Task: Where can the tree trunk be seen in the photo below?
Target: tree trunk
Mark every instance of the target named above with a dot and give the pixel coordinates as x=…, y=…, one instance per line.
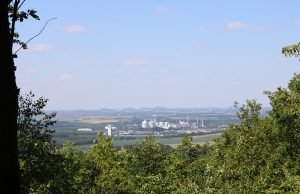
x=9, y=168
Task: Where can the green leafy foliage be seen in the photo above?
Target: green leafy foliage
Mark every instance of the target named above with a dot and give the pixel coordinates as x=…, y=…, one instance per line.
x=33, y=122
x=145, y=166
x=259, y=154
x=43, y=168
x=292, y=50
x=146, y=158
x=106, y=168
x=17, y=15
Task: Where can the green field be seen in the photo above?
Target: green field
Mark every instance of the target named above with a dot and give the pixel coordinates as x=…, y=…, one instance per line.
x=173, y=141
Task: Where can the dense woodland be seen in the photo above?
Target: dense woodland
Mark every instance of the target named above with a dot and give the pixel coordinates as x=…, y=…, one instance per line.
x=259, y=155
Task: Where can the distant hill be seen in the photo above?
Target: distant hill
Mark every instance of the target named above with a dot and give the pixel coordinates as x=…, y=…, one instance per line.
x=154, y=110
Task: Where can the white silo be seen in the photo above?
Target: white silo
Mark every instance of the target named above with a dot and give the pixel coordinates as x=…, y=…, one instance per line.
x=145, y=124
x=152, y=124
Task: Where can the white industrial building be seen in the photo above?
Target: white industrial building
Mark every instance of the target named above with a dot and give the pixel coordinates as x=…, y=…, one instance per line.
x=183, y=123
x=167, y=125
x=164, y=125
x=85, y=129
x=152, y=124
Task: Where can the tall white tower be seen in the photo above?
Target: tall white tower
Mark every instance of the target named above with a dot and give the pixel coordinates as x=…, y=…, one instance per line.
x=109, y=131
x=202, y=124
x=109, y=128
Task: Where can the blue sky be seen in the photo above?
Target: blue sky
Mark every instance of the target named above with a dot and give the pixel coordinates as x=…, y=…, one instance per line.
x=172, y=53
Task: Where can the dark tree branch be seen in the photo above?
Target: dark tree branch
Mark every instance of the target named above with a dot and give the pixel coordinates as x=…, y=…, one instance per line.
x=21, y=4
x=36, y=34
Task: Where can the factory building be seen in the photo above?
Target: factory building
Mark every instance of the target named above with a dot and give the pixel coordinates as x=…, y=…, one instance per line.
x=85, y=129
x=152, y=124
x=167, y=125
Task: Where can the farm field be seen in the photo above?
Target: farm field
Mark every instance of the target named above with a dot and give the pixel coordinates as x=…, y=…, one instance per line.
x=172, y=141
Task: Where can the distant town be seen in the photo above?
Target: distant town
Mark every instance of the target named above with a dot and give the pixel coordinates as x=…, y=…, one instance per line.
x=159, y=128
x=82, y=126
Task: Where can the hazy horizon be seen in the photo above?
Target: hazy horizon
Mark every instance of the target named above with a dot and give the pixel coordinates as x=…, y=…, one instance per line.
x=157, y=107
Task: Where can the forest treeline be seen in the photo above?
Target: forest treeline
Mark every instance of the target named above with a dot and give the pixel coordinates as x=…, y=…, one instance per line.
x=261, y=154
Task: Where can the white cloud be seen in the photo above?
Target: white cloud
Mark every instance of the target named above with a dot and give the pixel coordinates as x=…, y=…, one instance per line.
x=38, y=47
x=73, y=28
x=136, y=62
x=67, y=76
x=165, y=10
x=236, y=26
x=242, y=26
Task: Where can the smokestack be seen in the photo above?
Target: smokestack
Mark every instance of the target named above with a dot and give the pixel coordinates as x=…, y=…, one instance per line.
x=109, y=130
